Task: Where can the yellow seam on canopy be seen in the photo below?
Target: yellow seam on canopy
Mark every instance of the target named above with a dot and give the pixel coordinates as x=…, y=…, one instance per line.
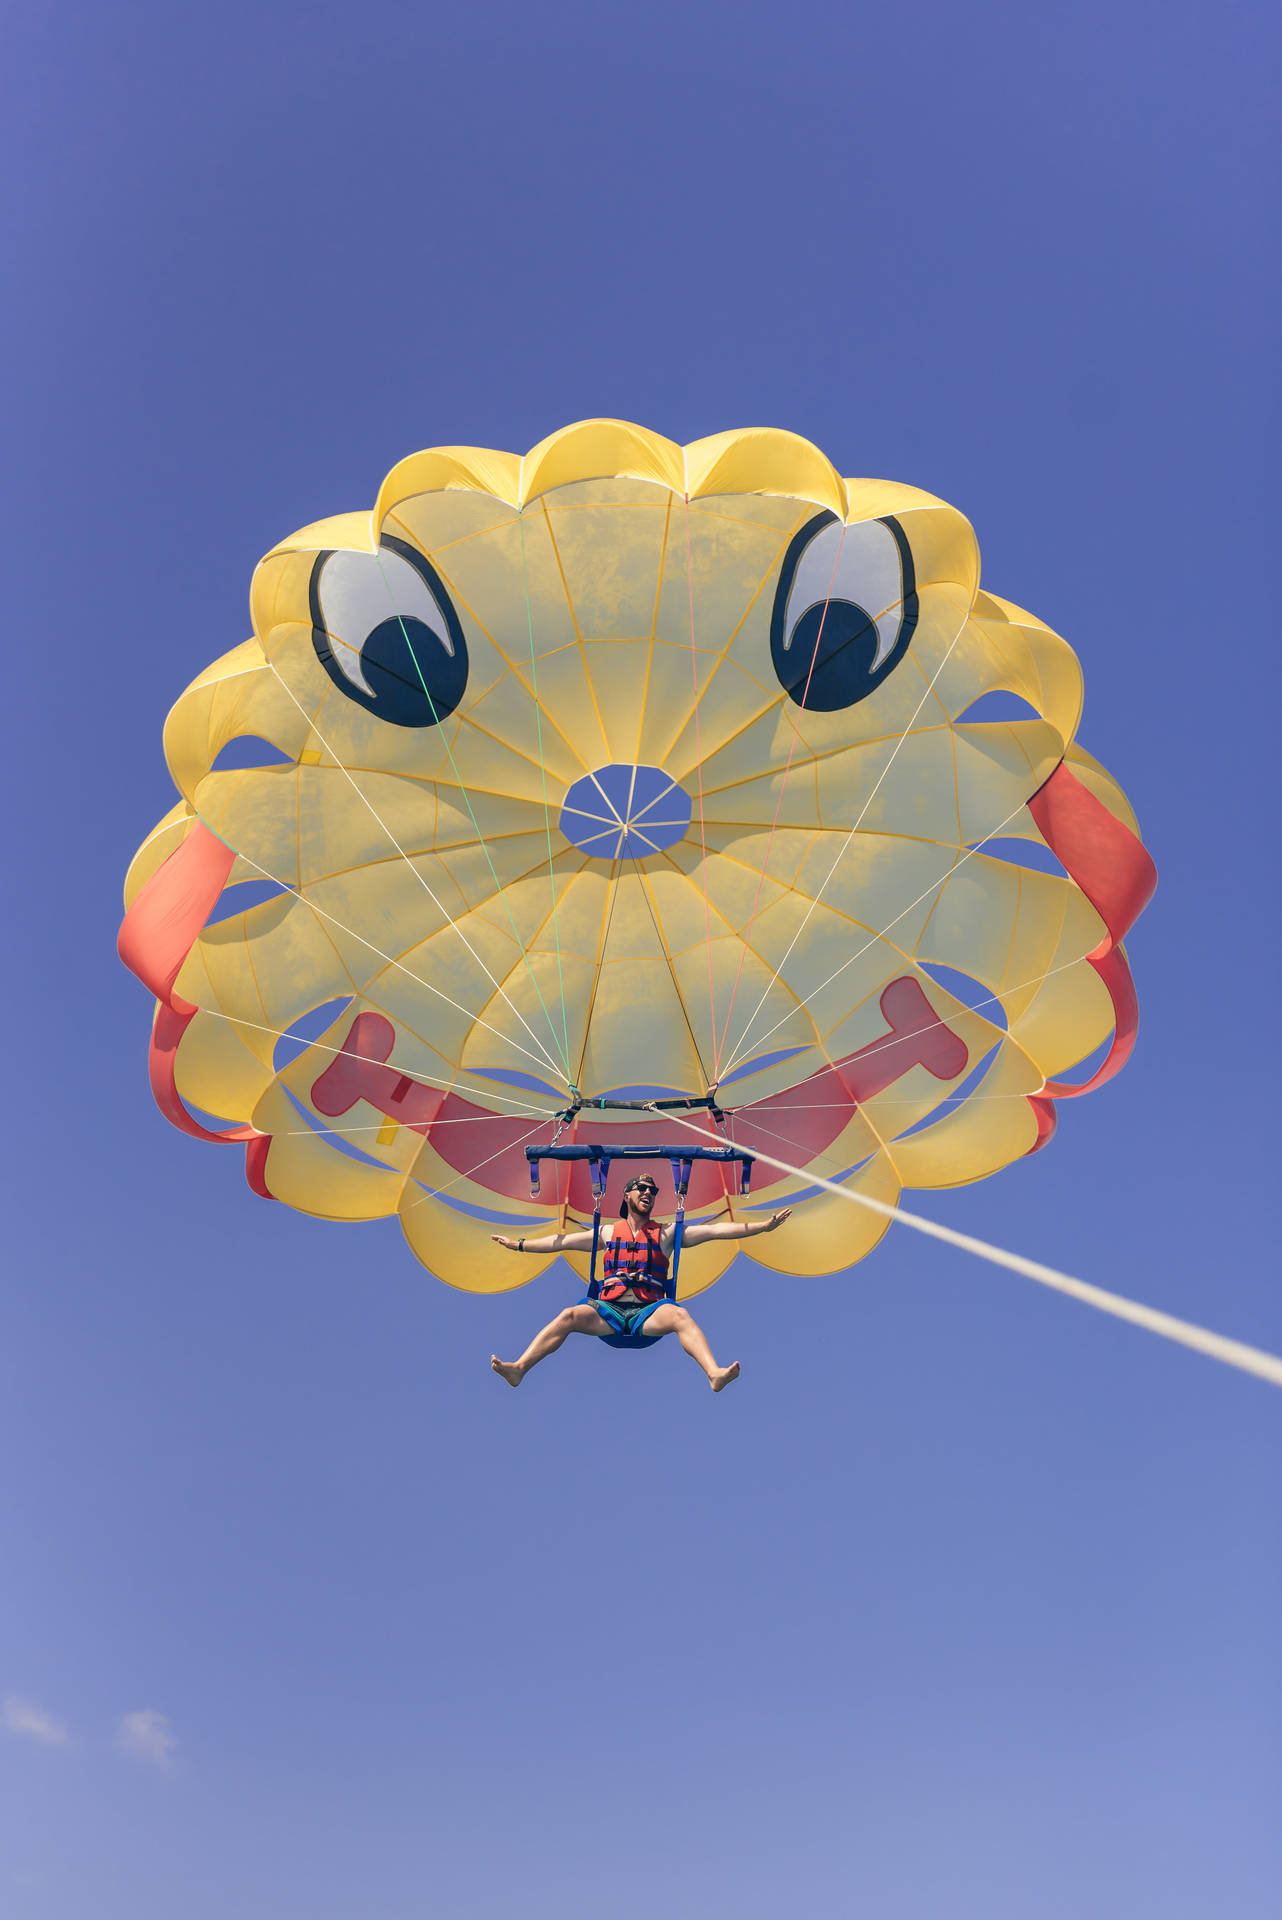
x=468, y=716
x=719, y=658
x=789, y=990
x=607, y=918
x=931, y=691
x=907, y=959
x=854, y=829
x=421, y=878
x=475, y=726
x=952, y=742
x=548, y=918
x=786, y=887
x=810, y=757
x=361, y=939
x=479, y=913
x=1016, y=917
x=569, y=601
x=643, y=878
x=880, y=936
x=654, y=629
x=391, y=860
x=537, y=871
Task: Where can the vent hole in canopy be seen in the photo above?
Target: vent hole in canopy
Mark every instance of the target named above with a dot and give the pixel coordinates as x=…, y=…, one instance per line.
x=247, y=751
x=997, y=705
x=1081, y=1070
x=971, y=992
x=1033, y=855
x=244, y=895
x=307, y=1029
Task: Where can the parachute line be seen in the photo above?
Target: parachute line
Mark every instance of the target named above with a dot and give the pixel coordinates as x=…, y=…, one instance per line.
x=400, y=966
x=1233, y=1353
x=841, y=851
x=543, y=775
x=796, y=735
x=934, y=887
x=441, y=908
x=613, y=894
x=698, y=760
x=913, y=1033
x=434, y=1193
x=676, y=984
x=432, y=1080
x=480, y=837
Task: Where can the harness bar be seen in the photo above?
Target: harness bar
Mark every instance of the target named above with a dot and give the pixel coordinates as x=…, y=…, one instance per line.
x=681, y=1159
x=685, y=1103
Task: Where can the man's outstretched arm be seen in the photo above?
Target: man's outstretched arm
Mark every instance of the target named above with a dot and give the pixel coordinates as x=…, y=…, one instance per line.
x=733, y=1229
x=546, y=1242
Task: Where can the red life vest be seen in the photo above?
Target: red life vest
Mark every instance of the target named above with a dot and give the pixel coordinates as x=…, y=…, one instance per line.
x=636, y=1264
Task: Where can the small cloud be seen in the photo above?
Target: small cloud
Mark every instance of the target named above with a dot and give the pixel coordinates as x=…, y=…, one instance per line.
x=146, y=1735
x=23, y=1716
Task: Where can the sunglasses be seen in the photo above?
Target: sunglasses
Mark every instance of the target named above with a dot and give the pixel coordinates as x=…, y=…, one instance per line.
x=643, y=1186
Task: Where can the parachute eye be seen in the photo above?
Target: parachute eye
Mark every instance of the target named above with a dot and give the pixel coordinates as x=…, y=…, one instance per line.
x=845, y=609
x=386, y=634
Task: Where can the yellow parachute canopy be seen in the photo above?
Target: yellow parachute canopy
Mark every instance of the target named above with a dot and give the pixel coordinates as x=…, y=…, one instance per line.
x=627, y=770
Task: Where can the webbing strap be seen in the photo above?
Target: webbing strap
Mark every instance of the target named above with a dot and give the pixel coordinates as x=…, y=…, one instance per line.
x=681, y=1182
x=600, y=1169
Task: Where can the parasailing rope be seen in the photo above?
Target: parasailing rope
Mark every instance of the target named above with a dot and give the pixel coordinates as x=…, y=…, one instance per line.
x=1233, y=1353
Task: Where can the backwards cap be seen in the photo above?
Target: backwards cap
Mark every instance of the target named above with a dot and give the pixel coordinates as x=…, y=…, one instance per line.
x=637, y=1180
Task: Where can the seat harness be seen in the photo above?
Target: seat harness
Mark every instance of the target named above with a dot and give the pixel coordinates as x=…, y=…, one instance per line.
x=681, y=1160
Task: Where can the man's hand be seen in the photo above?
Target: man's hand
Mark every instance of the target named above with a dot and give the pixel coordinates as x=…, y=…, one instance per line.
x=777, y=1219
x=502, y=1240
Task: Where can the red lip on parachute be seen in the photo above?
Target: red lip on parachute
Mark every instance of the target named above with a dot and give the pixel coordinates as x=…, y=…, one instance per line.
x=806, y=1118
x=1098, y=852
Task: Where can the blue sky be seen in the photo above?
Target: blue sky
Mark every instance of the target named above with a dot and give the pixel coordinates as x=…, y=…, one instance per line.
x=963, y=1605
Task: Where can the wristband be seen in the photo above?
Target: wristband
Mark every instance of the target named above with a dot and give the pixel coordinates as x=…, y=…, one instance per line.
x=520, y=1245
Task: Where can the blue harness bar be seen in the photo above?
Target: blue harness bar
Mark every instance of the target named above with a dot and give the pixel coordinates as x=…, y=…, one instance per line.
x=680, y=1159
x=630, y=1150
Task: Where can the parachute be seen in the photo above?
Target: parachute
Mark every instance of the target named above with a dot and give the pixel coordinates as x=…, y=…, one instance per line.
x=628, y=772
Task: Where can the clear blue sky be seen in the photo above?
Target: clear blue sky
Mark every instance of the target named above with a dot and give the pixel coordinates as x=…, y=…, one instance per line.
x=964, y=1604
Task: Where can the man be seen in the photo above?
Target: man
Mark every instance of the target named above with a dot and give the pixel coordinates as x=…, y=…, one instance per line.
x=633, y=1306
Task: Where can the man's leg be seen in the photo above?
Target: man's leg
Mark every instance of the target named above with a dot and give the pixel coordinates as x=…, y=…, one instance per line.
x=670, y=1318
x=580, y=1319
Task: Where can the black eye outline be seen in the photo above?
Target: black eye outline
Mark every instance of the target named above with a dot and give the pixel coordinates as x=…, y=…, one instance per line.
x=413, y=687
x=842, y=675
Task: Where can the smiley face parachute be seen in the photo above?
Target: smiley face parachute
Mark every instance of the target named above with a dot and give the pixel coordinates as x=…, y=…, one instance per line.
x=626, y=771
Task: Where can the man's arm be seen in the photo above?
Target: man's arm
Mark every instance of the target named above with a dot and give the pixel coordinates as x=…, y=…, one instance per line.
x=734, y=1229
x=546, y=1242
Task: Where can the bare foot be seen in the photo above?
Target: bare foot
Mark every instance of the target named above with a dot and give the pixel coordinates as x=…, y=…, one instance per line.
x=511, y=1372
x=723, y=1376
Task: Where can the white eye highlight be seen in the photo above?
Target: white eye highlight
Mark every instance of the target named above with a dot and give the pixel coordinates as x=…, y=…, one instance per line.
x=864, y=569
x=357, y=592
